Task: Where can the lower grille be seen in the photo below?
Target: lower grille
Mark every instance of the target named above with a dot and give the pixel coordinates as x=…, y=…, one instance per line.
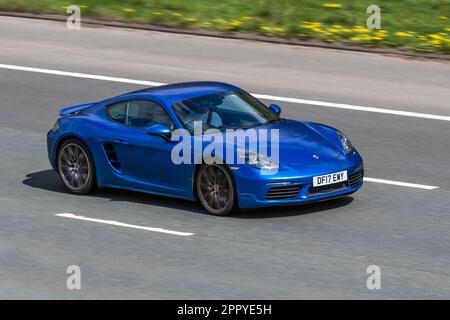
x=356, y=177
x=328, y=188
x=284, y=192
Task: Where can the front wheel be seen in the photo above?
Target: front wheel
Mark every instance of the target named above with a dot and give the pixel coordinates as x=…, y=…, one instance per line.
x=215, y=189
x=75, y=167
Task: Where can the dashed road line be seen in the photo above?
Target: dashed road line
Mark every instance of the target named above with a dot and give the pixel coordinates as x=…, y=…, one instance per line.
x=126, y=225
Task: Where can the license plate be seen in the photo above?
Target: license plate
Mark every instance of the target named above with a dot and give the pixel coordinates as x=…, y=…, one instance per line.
x=330, y=178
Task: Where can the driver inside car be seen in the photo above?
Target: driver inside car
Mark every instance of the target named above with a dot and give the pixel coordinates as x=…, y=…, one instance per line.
x=201, y=110
x=208, y=116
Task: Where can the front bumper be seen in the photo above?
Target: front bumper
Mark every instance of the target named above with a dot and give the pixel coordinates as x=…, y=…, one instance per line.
x=253, y=188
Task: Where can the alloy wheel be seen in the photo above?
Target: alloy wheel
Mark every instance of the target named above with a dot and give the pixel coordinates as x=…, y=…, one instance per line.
x=215, y=188
x=74, y=167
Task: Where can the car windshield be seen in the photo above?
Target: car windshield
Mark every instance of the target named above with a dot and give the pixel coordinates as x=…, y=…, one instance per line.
x=228, y=110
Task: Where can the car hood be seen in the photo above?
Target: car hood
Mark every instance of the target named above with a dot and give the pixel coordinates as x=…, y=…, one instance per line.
x=301, y=144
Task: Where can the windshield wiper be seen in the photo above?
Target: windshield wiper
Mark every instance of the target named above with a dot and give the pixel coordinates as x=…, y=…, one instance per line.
x=250, y=126
x=261, y=124
x=272, y=121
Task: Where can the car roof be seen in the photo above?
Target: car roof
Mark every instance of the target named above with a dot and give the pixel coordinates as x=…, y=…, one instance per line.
x=172, y=93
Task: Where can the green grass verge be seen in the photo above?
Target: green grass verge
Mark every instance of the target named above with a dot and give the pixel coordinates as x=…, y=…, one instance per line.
x=418, y=25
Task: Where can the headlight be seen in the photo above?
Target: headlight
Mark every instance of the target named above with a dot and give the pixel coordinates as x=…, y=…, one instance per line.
x=56, y=126
x=257, y=160
x=346, y=144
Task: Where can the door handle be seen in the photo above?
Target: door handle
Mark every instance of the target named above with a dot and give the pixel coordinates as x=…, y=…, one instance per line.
x=120, y=141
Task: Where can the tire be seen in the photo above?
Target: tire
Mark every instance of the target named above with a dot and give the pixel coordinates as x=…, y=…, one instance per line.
x=75, y=167
x=216, y=190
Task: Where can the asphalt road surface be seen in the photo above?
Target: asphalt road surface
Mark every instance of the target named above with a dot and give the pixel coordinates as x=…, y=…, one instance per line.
x=311, y=251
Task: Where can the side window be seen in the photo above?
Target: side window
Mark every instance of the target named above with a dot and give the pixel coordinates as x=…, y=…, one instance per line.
x=117, y=112
x=143, y=114
x=139, y=114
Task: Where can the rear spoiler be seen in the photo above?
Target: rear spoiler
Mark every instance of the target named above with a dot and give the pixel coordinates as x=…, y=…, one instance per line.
x=74, y=109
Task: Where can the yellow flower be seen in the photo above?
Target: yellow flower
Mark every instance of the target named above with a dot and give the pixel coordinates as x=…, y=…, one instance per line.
x=265, y=28
x=176, y=14
x=332, y=5
x=279, y=30
x=435, y=36
x=360, y=29
x=192, y=19
x=246, y=18
x=436, y=43
x=333, y=30
x=316, y=24
x=206, y=24
x=128, y=10
x=443, y=18
x=403, y=34
x=234, y=23
x=364, y=37
x=448, y=29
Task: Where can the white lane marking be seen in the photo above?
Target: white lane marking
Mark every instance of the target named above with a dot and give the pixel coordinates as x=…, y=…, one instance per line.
x=120, y=224
x=259, y=96
x=81, y=75
x=403, y=184
x=352, y=107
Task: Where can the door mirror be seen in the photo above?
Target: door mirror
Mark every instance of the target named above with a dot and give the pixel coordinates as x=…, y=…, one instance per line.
x=160, y=131
x=275, y=109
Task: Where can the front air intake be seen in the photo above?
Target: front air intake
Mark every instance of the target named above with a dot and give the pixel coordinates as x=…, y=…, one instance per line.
x=284, y=192
x=356, y=177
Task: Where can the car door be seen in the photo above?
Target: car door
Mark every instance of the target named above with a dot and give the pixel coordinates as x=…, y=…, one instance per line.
x=144, y=160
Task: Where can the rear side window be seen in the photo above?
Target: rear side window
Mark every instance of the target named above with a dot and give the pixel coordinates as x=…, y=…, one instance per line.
x=117, y=112
x=139, y=114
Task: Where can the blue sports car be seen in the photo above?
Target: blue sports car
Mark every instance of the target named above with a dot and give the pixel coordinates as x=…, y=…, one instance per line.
x=156, y=141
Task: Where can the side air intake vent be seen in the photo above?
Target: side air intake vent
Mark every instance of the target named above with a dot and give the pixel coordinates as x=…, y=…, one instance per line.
x=112, y=156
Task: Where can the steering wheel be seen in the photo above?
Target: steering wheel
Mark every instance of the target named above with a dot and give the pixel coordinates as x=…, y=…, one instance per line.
x=189, y=124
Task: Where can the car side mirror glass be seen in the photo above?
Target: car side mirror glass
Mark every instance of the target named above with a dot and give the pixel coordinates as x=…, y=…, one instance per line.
x=159, y=130
x=275, y=109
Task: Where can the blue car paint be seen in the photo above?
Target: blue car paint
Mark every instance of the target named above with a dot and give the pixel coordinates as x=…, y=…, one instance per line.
x=147, y=166
x=73, y=109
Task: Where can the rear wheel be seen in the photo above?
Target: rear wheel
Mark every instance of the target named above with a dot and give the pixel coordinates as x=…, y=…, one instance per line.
x=75, y=167
x=215, y=189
